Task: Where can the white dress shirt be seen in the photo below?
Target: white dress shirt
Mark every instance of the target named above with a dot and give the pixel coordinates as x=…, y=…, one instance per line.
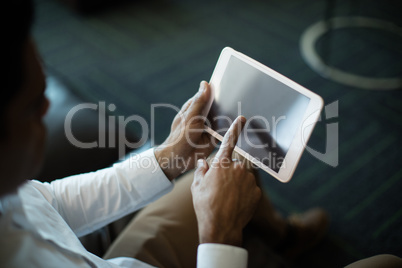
x=41, y=223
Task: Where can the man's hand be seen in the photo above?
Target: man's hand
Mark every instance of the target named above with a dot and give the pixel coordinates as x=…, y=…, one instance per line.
x=225, y=195
x=187, y=140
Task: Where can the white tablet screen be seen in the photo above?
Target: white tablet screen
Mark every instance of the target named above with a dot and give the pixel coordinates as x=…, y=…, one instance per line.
x=274, y=111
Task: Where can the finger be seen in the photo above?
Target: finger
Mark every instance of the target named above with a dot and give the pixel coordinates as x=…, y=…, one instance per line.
x=186, y=105
x=200, y=100
x=202, y=168
x=208, y=142
x=212, y=143
x=245, y=162
x=230, y=138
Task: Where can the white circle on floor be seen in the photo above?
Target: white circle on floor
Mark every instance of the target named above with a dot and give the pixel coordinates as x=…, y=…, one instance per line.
x=311, y=57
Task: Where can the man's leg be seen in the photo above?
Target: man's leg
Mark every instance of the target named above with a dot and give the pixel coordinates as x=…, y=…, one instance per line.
x=290, y=236
x=163, y=234
x=383, y=261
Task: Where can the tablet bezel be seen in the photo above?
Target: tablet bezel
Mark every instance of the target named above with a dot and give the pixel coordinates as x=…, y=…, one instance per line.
x=303, y=132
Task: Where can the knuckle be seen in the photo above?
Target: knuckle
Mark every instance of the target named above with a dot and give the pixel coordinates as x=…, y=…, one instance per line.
x=239, y=165
x=178, y=116
x=258, y=192
x=250, y=173
x=259, y=195
x=251, y=178
x=224, y=162
x=194, y=185
x=197, y=121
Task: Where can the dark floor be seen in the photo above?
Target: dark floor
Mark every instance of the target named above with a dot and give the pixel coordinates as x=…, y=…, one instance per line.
x=148, y=52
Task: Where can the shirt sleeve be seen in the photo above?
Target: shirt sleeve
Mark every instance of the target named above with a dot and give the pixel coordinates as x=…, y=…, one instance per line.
x=221, y=256
x=90, y=201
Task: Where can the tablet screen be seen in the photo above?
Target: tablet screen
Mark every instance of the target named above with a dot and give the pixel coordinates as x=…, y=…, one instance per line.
x=274, y=111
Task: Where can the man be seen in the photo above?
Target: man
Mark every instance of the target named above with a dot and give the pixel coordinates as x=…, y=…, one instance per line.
x=83, y=205
x=40, y=222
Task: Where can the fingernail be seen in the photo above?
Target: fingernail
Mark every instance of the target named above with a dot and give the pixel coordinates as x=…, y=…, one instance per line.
x=202, y=87
x=242, y=119
x=200, y=163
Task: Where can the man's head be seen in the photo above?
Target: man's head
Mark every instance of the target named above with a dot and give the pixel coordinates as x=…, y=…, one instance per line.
x=23, y=103
x=15, y=32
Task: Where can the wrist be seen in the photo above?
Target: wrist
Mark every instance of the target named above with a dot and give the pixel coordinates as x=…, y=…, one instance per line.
x=227, y=237
x=164, y=156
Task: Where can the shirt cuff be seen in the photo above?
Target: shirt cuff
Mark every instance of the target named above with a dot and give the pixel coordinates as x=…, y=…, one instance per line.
x=223, y=256
x=150, y=181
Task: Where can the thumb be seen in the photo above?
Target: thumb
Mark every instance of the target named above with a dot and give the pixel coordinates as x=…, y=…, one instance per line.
x=198, y=106
x=202, y=168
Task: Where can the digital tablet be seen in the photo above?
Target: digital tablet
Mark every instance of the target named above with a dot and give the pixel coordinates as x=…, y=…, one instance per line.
x=280, y=113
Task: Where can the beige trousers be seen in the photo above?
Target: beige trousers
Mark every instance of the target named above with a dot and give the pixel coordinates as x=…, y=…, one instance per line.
x=165, y=234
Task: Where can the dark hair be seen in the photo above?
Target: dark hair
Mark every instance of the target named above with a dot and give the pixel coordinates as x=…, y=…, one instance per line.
x=16, y=25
